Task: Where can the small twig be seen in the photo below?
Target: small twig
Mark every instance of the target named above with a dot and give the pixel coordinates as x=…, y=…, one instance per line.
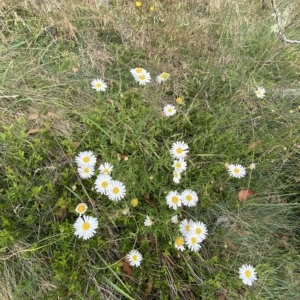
x=279, y=28
x=9, y=96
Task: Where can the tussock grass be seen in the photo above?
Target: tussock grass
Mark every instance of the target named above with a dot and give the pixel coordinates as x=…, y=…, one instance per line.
x=217, y=54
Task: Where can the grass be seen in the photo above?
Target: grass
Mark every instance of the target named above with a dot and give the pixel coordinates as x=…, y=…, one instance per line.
x=217, y=54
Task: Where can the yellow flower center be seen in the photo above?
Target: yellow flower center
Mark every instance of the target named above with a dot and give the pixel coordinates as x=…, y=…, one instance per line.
x=175, y=199
x=193, y=240
x=178, y=165
x=259, y=92
x=86, y=226
x=139, y=70
x=176, y=174
x=188, y=198
x=179, y=241
x=86, y=170
x=81, y=208
x=236, y=171
x=198, y=230
x=164, y=75
x=179, y=100
x=134, y=202
x=170, y=109
x=187, y=227
x=179, y=150
x=142, y=77
x=134, y=257
x=105, y=171
x=116, y=190
x=104, y=184
x=86, y=159
x=248, y=273
x=98, y=85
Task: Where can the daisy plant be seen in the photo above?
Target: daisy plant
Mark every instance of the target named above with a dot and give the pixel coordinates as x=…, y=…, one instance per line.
x=81, y=208
x=185, y=226
x=102, y=182
x=86, y=158
x=143, y=79
x=236, y=171
x=106, y=168
x=179, y=243
x=260, y=92
x=176, y=177
x=134, y=258
x=99, y=85
x=116, y=190
x=248, y=274
x=86, y=172
x=85, y=227
x=148, y=222
x=162, y=77
x=173, y=200
x=192, y=241
x=179, y=150
x=198, y=228
x=189, y=198
x=169, y=110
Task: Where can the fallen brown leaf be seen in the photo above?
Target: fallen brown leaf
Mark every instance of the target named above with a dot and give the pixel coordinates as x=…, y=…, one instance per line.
x=33, y=116
x=244, y=194
x=53, y=115
x=149, y=288
x=230, y=244
x=146, y=197
x=61, y=213
x=127, y=269
x=221, y=297
x=34, y=130
x=254, y=145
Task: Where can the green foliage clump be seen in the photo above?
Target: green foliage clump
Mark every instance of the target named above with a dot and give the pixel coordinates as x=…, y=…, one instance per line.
x=53, y=114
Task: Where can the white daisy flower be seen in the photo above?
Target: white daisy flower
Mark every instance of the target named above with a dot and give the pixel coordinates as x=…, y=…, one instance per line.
x=116, y=190
x=189, y=198
x=193, y=242
x=169, y=110
x=174, y=219
x=176, y=177
x=102, y=182
x=162, y=77
x=179, y=243
x=143, y=79
x=86, y=158
x=179, y=165
x=179, y=150
x=173, y=199
x=185, y=226
x=247, y=274
x=85, y=227
x=236, y=171
x=86, y=171
x=106, y=168
x=99, y=85
x=81, y=208
x=134, y=257
x=260, y=92
x=148, y=222
x=137, y=72
x=252, y=166
x=199, y=229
